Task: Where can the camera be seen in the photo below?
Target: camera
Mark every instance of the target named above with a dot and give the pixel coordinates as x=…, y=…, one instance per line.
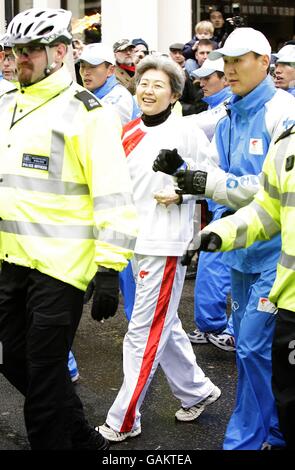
x=237, y=21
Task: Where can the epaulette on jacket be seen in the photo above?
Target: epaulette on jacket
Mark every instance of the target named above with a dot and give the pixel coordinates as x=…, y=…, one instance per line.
x=7, y=92
x=88, y=99
x=11, y=91
x=285, y=133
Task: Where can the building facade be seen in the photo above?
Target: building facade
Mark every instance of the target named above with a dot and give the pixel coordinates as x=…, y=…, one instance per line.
x=163, y=22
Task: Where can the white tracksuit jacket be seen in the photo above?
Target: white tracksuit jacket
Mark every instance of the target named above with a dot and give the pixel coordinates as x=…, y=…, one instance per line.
x=155, y=334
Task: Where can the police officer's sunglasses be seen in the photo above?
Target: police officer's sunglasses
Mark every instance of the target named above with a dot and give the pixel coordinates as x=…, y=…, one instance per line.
x=27, y=50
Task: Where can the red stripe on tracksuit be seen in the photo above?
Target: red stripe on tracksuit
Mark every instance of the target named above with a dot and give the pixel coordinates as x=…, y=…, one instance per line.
x=130, y=126
x=132, y=140
x=153, y=339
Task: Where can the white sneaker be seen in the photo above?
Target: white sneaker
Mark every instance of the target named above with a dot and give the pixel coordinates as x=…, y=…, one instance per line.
x=116, y=436
x=198, y=337
x=222, y=341
x=192, y=413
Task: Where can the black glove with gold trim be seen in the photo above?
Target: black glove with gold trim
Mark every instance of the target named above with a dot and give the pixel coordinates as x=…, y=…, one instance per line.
x=105, y=290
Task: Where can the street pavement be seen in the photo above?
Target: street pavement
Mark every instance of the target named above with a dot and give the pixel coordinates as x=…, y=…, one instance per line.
x=98, y=350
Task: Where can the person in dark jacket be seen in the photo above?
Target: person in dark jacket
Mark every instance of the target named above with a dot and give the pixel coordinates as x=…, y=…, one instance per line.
x=140, y=50
x=217, y=19
x=203, y=30
x=191, y=97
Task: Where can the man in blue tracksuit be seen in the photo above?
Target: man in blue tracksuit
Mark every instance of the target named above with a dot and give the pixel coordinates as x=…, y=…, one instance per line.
x=284, y=77
x=97, y=72
x=257, y=115
x=253, y=271
x=97, y=69
x=213, y=276
x=97, y=65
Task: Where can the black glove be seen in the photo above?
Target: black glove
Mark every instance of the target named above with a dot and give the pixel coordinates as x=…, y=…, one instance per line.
x=226, y=214
x=191, y=182
x=105, y=289
x=168, y=161
x=186, y=259
x=210, y=241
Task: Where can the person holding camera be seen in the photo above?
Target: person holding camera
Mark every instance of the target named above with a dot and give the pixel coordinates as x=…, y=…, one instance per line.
x=217, y=19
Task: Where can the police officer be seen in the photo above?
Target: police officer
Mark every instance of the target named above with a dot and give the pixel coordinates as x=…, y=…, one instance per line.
x=66, y=218
x=6, y=66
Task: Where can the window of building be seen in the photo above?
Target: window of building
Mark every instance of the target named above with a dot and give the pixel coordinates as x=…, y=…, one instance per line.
x=12, y=8
x=81, y=8
x=275, y=18
x=86, y=19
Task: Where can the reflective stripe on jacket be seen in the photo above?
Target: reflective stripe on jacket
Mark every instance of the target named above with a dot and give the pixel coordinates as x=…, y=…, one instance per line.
x=243, y=139
x=65, y=191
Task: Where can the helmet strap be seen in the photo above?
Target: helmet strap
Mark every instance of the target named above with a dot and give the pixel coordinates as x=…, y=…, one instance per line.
x=50, y=62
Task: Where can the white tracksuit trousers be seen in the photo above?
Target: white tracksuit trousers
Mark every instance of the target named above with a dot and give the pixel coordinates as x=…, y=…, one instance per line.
x=155, y=336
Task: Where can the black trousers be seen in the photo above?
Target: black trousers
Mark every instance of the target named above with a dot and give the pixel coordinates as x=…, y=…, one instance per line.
x=283, y=380
x=39, y=316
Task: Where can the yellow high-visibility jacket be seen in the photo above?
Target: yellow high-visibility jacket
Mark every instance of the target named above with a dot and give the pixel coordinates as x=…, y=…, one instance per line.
x=65, y=193
x=272, y=211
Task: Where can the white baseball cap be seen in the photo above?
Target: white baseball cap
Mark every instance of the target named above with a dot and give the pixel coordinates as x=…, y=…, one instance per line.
x=209, y=67
x=240, y=42
x=97, y=53
x=286, y=54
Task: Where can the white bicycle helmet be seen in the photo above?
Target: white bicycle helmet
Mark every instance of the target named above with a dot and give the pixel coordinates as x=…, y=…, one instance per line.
x=4, y=42
x=46, y=26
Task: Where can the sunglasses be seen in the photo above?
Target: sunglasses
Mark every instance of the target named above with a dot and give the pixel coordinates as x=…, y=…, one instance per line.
x=27, y=50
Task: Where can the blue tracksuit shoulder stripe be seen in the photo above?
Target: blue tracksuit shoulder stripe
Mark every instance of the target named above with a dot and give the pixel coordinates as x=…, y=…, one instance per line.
x=218, y=98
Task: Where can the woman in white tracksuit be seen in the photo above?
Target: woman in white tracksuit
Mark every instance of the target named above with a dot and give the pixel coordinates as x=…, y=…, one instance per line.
x=155, y=334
